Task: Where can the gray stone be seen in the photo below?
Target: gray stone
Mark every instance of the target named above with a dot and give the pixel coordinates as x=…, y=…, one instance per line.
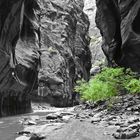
x=95, y=70
x=133, y=119
x=53, y=116
x=94, y=120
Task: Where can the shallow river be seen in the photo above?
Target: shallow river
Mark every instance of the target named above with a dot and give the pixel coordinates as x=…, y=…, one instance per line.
x=74, y=130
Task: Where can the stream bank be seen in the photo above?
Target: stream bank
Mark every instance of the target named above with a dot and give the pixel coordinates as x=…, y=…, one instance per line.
x=83, y=122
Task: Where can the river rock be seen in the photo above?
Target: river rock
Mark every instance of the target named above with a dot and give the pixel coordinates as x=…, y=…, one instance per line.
x=126, y=135
x=23, y=138
x=36, y=137
x=94, y=120
x=53, y=116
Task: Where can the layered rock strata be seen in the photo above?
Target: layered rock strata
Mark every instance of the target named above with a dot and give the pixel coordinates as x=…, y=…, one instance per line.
x=43, y=43
x=65, y=56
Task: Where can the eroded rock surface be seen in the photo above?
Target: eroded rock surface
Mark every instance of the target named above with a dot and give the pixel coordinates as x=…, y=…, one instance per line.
x=18, y=55
x=118, y=22
x=65, y=55
x=45, y=36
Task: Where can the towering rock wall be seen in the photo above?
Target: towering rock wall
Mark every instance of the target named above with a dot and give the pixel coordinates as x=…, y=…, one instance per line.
x=65, y=55
x=19, y=55
x=119, y=22
x=42, y=43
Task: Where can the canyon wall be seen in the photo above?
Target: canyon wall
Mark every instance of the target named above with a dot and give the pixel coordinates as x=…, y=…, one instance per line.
x=98, y=56
x=65, y=56
x=118, y=22
x=44, y=46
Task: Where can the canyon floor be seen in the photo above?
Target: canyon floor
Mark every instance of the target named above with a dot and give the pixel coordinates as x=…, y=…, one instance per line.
x=83, y=122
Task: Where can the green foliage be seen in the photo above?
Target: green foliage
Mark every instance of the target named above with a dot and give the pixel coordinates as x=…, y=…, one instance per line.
x=95, y=90
x=133, y=86
x=109, y=83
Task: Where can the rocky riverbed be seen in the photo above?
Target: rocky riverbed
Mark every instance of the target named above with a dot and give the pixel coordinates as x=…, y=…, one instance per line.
x=116, y=119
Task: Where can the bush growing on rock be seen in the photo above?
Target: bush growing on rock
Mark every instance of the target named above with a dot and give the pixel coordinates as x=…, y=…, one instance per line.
x=107, y=84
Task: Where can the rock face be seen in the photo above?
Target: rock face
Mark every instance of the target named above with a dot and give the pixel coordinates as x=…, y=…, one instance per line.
x=18, y=55
x=118, y=22
x=65, y=55
x=90, y=10
x=96, y=39
x=44, y=41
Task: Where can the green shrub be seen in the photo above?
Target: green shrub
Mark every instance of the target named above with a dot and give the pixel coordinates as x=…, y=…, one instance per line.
x=133, y=86
x=107, y=84
x=95, y=90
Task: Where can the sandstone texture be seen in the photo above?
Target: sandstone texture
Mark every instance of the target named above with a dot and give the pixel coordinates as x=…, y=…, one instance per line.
x=65, y=56
x=118, y=22
x=44, y=45
x=19, y=55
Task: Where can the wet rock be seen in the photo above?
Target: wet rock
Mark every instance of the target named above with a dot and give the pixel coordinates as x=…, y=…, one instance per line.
x=136, y=113
x=126, y=135
x=29, y=120
x=133, y=119
x=111, y=123
x=23, y=133
x=119, y=123
x=23, y=138
x=91, y=114
x=135, y=126
x=135, y=108
x=94, y=120
x=66, y=118
x=53, y=116
x=31, y=123
x=129, y=109
x=131, y=130
x=36, y=137
x=88, y=105
x=98, y=115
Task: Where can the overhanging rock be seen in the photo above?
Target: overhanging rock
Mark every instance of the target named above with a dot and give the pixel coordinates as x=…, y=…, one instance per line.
x=119, y=22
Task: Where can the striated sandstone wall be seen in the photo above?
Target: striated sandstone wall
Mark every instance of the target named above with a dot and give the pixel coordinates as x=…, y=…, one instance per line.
x=42, y=43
